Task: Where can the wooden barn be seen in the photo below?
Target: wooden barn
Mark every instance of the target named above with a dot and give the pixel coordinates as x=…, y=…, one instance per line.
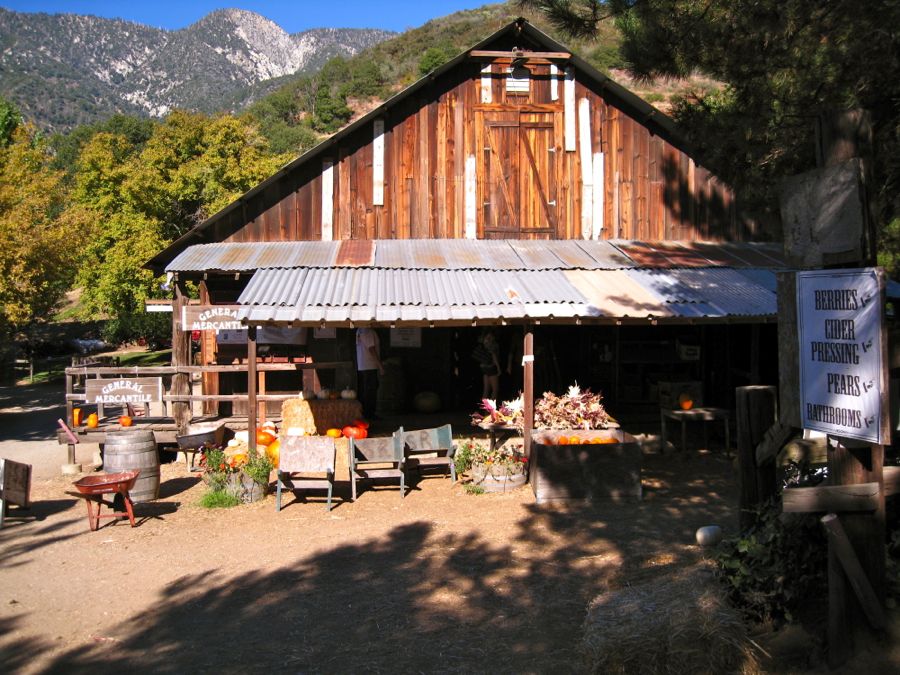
x=516, y=187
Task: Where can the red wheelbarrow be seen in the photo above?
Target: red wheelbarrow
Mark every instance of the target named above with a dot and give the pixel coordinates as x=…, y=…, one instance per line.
x=92, y=489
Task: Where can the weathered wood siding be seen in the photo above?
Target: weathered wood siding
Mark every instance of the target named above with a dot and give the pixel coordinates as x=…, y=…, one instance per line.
x=619, y=180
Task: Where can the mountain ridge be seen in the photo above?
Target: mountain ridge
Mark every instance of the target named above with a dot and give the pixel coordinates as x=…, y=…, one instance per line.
x=63, y=70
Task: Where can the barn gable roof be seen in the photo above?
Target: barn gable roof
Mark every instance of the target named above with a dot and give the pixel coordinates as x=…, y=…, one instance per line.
x=520, y=29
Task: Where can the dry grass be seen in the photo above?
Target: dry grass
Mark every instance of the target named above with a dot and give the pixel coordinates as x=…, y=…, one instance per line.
x=679, y=623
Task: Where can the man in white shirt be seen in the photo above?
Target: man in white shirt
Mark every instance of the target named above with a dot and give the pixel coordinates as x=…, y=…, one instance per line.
x=369, y=367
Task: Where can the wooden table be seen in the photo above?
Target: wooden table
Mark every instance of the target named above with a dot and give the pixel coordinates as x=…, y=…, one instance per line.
x=704, y=415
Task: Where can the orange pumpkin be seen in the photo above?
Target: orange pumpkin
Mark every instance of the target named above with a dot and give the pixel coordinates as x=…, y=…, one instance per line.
x=361, y=423
x=273, y=450
x=685, y=401
x=333, y=433
x=264, y=437
x=574, y=440
x=357, y=433
x=93, y=421
x=125, y=421
x=563, y=440
x=76, y=417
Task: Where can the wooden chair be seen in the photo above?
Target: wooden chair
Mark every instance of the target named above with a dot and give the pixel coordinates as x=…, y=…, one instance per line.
x=305, y=455
x=377, y=458
x=430, y=448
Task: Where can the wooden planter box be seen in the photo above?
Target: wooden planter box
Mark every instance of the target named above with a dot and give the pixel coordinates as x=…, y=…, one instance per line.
x=586, y=472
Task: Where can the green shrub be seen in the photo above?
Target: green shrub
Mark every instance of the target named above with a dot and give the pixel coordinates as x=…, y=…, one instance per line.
x=219, y=499
x=473, y=489
x=776, y=565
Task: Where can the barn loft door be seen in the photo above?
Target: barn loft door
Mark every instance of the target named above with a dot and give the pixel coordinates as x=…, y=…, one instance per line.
x=518, y=175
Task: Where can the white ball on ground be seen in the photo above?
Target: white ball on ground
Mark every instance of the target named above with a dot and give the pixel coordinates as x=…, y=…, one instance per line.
x=709, y=535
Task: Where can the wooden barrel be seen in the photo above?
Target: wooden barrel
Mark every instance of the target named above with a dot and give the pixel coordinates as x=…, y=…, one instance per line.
x=128, y=450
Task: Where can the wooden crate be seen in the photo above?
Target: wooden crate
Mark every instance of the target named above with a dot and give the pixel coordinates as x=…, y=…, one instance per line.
x=586, y=472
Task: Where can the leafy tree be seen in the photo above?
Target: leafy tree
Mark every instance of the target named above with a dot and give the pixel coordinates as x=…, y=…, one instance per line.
x=331, y=111
x=783, y=63
x=433, y=58
x=135, y=130
x=10, y=118
x=37, y=259
x=145, y=195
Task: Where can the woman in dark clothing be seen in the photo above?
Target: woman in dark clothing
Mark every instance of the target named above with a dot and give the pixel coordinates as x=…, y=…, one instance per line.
x=487, y=353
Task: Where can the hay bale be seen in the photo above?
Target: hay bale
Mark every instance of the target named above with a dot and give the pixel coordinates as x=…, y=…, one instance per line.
x=680, y=623
x=296, y=414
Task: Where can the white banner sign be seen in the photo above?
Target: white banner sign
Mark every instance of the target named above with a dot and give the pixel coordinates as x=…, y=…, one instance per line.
x=839, y=316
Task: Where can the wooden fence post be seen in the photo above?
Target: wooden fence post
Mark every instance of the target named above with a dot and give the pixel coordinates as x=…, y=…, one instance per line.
x=756, y=411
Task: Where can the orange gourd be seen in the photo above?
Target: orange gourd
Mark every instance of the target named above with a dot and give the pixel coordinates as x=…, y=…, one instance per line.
x=563, y=440
x=333, y=433
x=76, y=417
x=685, y=401
x=125, y=421
x=264, y=437
x=273, y=450
x=361, y=423
x=356, y=433
x=93, y=421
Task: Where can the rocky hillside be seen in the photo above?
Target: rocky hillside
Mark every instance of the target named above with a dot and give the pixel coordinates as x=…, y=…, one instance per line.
x=65, y=69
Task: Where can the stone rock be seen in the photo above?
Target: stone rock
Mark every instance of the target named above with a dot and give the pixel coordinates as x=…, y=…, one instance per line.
x=709, y=535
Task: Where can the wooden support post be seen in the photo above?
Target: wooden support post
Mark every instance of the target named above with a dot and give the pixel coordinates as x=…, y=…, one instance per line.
x=756, y=412
x=181, y=356
x=864, y=534
x=251, y=388
x=844, y=567
x=70, y=389
x=528, y=390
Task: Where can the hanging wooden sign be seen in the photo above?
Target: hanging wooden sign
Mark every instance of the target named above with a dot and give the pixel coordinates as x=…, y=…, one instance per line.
x=122, y=391
x=211, y=317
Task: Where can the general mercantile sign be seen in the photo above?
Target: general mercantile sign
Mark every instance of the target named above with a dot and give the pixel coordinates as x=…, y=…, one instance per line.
x=122, y=391
x=839, y=318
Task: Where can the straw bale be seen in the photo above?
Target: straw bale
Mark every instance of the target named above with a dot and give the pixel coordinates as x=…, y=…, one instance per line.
x=679, y=623
x=296, y=413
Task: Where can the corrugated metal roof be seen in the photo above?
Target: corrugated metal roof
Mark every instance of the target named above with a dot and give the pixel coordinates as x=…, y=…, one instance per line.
x=508, y=254
x=711, y=292
x=364, y=295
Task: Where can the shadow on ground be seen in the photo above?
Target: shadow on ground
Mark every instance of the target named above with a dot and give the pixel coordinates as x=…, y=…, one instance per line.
x=418, y=599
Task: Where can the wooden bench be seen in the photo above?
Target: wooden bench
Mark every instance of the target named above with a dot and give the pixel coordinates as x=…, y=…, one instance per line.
x=305, y=455
x=430, y=449
x=377, y=458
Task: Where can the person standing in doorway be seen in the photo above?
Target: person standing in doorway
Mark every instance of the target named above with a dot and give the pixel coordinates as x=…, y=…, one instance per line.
x=369, y=368
x=487, y=353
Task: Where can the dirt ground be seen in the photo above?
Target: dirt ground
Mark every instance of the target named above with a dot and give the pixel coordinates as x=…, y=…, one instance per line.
x=441, y=581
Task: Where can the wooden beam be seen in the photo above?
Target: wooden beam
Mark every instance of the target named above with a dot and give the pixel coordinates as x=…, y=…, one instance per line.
x=328, y=200
x=486, y=84
x=891, y=480
x=251, y=389
x=587, y=168
x=755, y=412
x=837, y=538
x=528, y=390
x=823, y=498
x=569, y=110
x=776, y=436
x=378, y=163
x=518, y=54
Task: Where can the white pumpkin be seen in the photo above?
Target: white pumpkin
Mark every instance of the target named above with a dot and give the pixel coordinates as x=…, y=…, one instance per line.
x=348, y=394
x=324, y=394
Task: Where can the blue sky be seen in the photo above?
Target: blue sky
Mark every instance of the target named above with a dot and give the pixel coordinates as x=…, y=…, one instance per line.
x=293, y=16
